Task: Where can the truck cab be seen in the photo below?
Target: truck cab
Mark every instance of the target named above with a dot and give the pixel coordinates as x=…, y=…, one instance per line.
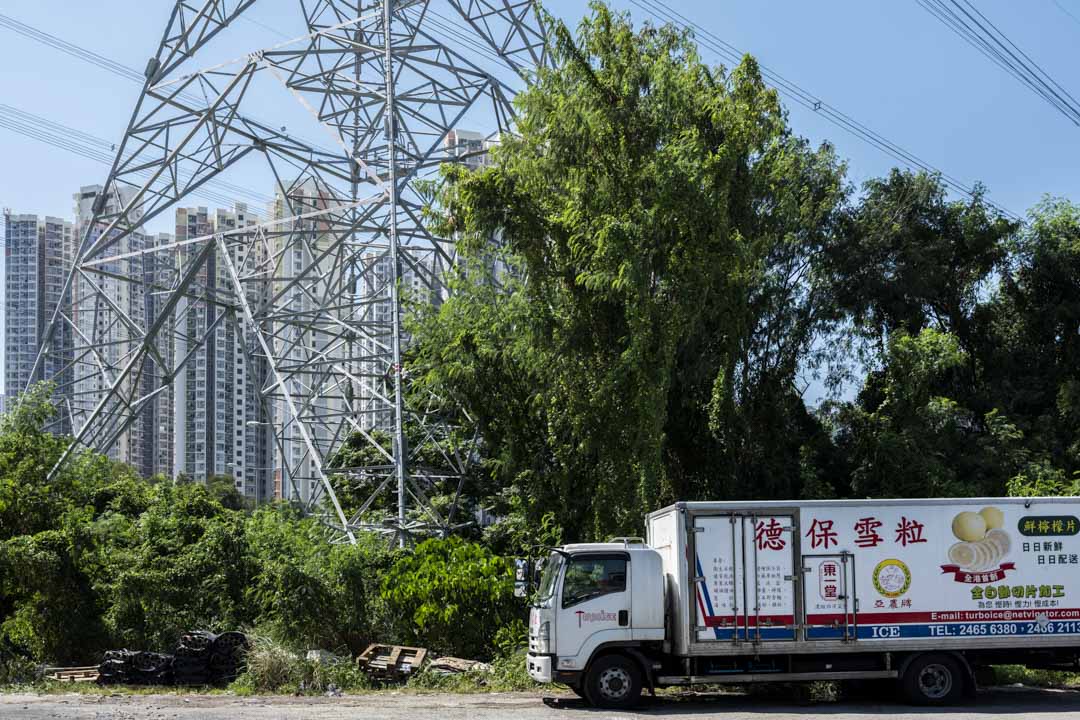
x=597, y=607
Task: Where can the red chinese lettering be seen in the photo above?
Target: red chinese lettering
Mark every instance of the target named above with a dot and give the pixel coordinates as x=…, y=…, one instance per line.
x=909, y=532
x=866, y=531
x=821, y=534
x=830, y=592
x=769, y=537
x=828, y=569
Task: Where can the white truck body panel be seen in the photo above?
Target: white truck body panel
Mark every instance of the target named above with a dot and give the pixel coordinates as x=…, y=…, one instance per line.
x=837, y=576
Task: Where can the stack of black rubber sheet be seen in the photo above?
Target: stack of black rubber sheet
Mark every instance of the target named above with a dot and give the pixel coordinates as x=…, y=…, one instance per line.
x=201, y=658
x=136, y=667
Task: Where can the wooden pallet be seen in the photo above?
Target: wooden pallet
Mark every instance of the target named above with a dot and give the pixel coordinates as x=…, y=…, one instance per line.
x=73, y=674
x=390, y=662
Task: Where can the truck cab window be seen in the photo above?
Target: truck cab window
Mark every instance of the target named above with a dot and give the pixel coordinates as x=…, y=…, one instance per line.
x=590, y=577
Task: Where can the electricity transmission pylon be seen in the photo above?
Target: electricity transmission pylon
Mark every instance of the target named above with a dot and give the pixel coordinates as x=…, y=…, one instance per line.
x=317, y=285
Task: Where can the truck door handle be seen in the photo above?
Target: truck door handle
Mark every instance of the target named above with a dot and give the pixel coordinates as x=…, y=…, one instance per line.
x=624, y=618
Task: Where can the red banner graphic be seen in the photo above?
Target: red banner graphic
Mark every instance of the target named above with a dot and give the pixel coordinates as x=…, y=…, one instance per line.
x=978, y=578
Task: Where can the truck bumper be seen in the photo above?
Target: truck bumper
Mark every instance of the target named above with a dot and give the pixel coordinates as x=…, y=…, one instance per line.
x=539, y=667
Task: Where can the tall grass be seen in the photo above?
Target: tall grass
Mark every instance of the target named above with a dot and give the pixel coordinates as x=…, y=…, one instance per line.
x=273, y=667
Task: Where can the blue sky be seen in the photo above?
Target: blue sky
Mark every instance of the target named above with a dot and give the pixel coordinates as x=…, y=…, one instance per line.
x=888, y=64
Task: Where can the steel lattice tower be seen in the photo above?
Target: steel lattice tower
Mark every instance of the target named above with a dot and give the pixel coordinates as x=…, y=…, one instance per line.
x=387, y=88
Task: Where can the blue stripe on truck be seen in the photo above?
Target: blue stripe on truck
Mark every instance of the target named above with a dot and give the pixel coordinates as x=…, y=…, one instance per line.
x=935, y=630
x=703, y=588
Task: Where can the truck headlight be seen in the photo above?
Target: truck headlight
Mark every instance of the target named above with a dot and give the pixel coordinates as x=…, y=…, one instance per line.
x=543, y=638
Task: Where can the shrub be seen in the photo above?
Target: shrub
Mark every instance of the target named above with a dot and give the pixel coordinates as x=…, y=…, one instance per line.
x=452, y=596
x=15, y=670
x=313, y=594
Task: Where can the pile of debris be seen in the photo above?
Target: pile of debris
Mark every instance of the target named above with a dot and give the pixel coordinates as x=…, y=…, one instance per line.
x=390, y=663
x=396, y=663
x=201, y=658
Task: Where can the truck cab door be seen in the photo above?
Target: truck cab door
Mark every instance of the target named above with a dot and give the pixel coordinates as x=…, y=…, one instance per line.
x=594, y=606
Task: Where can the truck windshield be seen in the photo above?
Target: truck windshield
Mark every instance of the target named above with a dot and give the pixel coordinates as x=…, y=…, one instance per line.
x=552, y=568
x=592, y=576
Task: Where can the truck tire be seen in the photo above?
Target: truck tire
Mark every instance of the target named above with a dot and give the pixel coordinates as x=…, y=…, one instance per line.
x=614, y=681
x=933, y=679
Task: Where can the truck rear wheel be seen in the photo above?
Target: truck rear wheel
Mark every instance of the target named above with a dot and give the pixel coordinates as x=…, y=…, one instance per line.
x=614, y=681
x=933, y=680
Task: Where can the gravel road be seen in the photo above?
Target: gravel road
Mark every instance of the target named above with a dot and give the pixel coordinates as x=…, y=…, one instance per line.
x=1017, y=704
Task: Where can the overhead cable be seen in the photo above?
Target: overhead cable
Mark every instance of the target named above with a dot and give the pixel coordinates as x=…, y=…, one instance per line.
x=708, y=40
x=964, y=19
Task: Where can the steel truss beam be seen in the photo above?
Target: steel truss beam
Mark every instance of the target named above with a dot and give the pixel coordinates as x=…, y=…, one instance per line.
x=316, y=290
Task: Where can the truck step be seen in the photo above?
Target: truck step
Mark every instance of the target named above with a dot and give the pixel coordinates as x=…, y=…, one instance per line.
x=739, y=678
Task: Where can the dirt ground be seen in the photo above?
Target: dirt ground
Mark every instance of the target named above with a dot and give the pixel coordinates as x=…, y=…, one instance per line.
x=1017, y=704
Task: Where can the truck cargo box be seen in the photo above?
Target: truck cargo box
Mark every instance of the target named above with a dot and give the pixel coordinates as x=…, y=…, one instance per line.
x=839, y=576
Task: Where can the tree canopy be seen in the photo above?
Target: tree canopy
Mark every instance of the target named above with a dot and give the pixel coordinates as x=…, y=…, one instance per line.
x=655, y=268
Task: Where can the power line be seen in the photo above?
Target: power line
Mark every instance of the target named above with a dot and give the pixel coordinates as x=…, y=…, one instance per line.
x=964, y=19
x=71, y=49
x=1065, y=10
x=728, y=52
x=99, y=145
x=93, y=148
x=112, y=66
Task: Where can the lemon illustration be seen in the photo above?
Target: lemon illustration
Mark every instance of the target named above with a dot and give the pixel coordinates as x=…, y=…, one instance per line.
x=1000, y=540
x=969, y=526
x=994, y=518
x=962, y=554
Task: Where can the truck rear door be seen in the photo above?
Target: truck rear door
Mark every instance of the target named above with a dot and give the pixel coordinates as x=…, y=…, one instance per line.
x=744, y=570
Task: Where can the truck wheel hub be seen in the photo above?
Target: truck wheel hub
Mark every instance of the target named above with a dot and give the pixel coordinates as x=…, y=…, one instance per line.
x=935, y=681
x=614, y=683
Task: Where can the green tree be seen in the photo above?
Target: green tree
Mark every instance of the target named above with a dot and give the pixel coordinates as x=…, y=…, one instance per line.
x=633, y=258
x=975, y=354
x=910, y=258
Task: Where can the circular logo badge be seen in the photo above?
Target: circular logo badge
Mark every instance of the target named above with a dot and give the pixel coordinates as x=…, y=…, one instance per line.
x=892, y=578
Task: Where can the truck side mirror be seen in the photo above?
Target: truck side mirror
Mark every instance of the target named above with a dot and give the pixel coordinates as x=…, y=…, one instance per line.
x=522, y=577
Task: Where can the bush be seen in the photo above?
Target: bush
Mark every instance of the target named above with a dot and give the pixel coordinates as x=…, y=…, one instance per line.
x=452, y=596
x=1013, y=674
x=16, y=670
x=273, y=667
x=188, y=566
x=310, y=593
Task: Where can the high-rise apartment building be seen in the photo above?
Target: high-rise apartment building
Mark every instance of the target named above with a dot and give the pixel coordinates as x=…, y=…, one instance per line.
x=38, y=256
x=421, y=277
x=105, y=307
x=308, y=338
x=468, y=147
x=218, y=417
x=157, y=416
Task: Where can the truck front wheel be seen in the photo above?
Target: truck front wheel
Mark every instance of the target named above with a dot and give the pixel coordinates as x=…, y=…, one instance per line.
x=933, y=680
x=614, y=681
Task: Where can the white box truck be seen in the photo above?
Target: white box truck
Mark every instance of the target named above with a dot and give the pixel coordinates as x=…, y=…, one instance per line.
x=920, y=592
